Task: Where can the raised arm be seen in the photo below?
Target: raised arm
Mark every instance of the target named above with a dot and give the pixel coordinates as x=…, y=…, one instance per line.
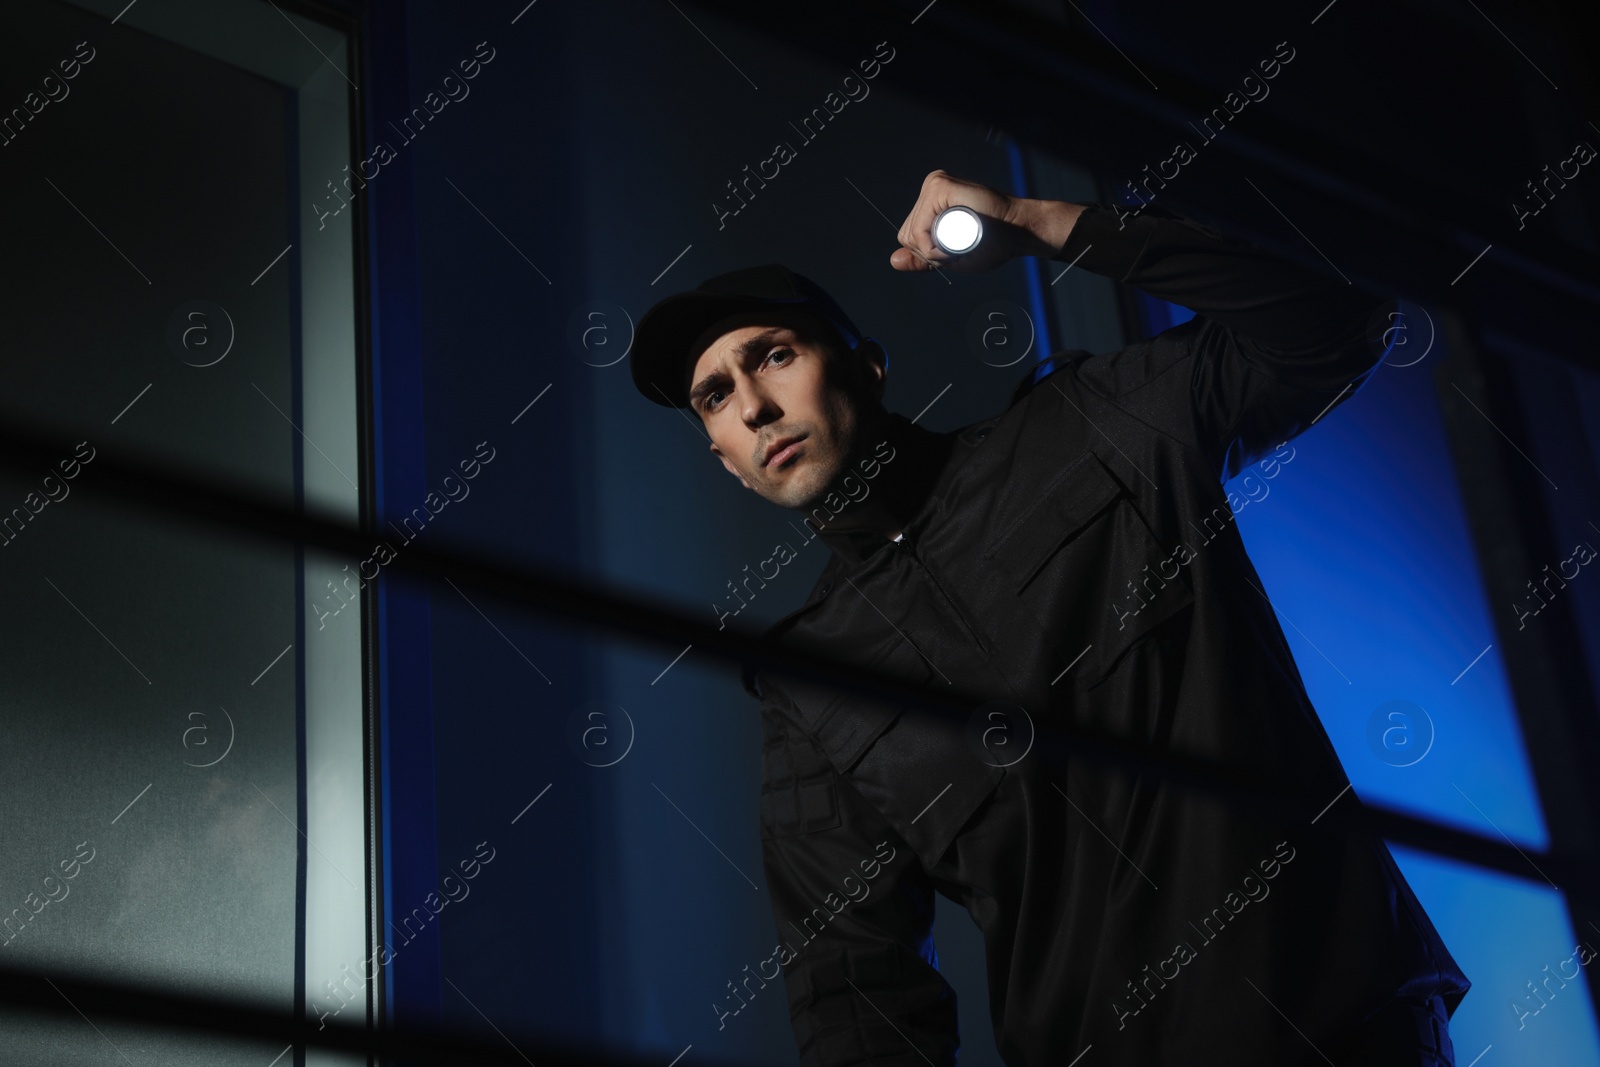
x=1273, y=347
x=1284, y=306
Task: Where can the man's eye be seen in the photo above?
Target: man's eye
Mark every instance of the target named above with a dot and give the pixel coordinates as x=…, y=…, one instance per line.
x=775, y=351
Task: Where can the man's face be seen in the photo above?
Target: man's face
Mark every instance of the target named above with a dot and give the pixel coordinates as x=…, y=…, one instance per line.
x=763, y=383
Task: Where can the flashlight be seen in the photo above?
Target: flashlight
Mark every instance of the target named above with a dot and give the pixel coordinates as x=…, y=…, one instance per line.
x=957, y=230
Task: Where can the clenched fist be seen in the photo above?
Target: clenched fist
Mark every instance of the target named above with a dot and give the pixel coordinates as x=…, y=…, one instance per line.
x=1012, y=226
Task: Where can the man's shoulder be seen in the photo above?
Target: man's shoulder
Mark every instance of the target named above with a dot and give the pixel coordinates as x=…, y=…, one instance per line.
x=1044, y=369
x=1017, y=409
x=973, y=433
x=1118, y=374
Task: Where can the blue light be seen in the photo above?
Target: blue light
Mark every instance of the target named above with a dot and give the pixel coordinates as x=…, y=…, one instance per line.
x=1361, y=540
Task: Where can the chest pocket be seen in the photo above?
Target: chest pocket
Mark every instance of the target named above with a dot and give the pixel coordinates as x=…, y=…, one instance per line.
x=844, y=724
x=919, y=772
x=814, y=732
x=1082, y=576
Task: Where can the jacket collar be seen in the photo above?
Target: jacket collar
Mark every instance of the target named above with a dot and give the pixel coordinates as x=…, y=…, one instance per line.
x=922, y=467
x=909, y=481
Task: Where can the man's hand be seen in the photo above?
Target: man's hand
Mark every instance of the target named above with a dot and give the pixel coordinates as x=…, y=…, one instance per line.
x=1012, y=226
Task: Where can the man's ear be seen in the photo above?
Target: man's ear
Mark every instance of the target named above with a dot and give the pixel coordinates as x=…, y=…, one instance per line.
x=730, y=467
x=874, y=365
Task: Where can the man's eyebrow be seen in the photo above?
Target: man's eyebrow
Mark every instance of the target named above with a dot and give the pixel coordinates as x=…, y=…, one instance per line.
x=746, y=350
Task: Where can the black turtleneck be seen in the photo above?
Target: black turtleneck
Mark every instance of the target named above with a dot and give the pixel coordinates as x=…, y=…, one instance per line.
x=908, y=481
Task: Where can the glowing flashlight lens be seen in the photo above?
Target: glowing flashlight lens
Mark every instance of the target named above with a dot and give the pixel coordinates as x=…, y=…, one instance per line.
x=957, y=230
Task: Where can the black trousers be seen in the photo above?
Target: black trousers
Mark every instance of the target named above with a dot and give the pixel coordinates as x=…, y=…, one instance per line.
x=1403, y=1033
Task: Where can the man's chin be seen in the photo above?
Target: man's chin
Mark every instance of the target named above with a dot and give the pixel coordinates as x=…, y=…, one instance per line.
x=803, y=490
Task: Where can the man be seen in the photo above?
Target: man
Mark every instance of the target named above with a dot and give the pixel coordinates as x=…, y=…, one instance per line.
x=1073, y=557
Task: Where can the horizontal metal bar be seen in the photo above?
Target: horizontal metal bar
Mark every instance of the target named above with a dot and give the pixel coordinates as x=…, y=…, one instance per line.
x=58, y=993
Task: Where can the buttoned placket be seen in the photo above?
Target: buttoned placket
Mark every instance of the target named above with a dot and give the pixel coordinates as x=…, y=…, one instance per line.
x=907, y=550
x=904, y=554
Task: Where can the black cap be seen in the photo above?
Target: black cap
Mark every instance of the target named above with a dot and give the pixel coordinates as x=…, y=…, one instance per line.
x=661, y=346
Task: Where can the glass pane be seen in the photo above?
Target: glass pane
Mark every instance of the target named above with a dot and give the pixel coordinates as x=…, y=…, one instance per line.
x=161, y=705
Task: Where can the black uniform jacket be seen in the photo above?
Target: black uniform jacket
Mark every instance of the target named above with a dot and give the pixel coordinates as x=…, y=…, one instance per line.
x=1076, y=558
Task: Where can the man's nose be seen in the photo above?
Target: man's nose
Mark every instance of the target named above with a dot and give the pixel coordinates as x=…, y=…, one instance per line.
x=758, y=408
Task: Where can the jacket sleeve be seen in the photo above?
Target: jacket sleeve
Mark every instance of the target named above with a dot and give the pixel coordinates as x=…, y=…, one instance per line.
x=1272, y=348
x=854, y=915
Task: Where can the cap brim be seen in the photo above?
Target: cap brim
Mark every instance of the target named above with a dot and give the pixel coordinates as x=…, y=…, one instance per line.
x=661, y=346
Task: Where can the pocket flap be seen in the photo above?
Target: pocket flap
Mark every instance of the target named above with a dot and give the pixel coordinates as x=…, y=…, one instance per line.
x=1081, y=491
x=844, y=723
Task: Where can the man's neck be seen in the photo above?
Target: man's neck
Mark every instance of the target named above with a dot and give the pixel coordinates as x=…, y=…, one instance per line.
x=902, y=483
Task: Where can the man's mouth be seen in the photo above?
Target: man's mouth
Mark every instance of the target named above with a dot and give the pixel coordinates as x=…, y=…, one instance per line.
x=782, y=451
